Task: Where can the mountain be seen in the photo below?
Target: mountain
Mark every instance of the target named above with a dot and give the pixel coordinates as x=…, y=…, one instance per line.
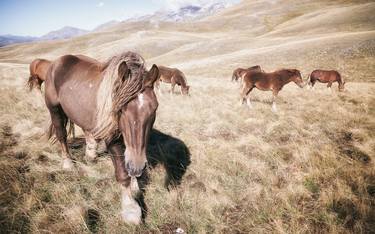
x=11, y=39
x=64, y=33
x=184, y=13
x=106, y=25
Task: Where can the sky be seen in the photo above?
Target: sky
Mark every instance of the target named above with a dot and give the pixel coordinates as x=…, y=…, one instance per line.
x=38, y=17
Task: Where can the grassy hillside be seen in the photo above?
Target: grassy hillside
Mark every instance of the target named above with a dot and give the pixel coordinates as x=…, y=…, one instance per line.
x=305, y=169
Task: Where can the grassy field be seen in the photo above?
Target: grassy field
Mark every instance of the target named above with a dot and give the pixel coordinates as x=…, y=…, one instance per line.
x=309, y=168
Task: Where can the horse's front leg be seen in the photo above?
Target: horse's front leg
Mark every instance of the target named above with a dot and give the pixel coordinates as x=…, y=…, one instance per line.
x=274, y=96
x=329, y=86
x=91, y=147
x=131, y=211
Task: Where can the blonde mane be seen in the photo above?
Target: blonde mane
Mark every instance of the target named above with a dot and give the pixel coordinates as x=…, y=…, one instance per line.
x=114, y=93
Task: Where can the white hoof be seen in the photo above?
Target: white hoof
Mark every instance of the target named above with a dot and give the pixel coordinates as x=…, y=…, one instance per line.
x=134, y=188
x=248, y=102
x=67, y=164
x=274, y=108
x=90, y=155
x=131, y=212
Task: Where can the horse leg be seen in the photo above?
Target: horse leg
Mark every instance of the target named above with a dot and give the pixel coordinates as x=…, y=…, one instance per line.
x=91, y=147
x=131, y=211
x=59, y=120
x=243, y=93
x=312, y=84
x=173, y=84
x=157, y=86
x=329, y=86
x=248, y=102
x=274, y=108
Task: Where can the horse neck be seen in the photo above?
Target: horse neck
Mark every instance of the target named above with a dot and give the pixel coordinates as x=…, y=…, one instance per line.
x=183, y=81
x=287, y=79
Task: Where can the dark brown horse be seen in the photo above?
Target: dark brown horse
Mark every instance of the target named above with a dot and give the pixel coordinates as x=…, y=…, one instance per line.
x=114, y=102
x=269, y=82
x=326, y=77
x=174, y=77
x=38, y=73
x=239, y=73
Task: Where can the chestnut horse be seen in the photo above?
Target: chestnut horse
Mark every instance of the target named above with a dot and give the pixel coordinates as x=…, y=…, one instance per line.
x=38, y=73
x=273, y=81
x=239, y=73
x=114, y=102
x=326, y=77
x=173, y=76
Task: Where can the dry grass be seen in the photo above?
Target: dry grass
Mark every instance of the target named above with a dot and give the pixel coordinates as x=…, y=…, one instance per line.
x=308, y=168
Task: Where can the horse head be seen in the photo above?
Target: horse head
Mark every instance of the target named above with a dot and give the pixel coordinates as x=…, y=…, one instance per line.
x=136, y=119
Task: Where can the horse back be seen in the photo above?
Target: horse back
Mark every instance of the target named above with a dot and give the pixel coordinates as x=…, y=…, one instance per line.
x=326, y=75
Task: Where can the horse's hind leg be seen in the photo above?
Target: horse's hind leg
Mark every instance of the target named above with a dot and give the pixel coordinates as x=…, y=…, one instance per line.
x=245, y=95
x=131, y=211
x=248, y=102
x=59, y=121
x=91, y=147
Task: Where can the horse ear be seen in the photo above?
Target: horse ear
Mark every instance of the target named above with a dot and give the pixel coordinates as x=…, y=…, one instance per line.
x=123, y=71
x=152, y=76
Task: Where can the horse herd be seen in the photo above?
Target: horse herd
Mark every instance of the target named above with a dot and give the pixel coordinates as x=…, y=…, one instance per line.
x=115, y=102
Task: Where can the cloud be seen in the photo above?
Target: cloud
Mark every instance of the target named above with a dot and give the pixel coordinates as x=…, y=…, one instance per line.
x=100, y=4
x=176, y=4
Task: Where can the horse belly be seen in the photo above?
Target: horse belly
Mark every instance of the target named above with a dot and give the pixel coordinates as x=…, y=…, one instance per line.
x=79, y=105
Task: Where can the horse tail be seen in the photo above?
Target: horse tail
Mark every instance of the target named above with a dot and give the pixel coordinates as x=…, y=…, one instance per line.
x=234, y=76
x=51, y=132
x=34, y=82
x=71, y=129
x=309, y=80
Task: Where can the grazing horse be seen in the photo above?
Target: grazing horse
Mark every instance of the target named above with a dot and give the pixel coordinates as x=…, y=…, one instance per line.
x=326, y=77
x=239, y=73
x=114, y=102
x=38, y=73
x=269, y=82
x=173, y=76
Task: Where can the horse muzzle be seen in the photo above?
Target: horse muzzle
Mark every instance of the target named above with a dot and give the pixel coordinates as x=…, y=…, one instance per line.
x=134, y=169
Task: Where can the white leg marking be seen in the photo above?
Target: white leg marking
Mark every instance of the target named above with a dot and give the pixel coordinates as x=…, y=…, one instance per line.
x=67, y=164
x=274, y=108
x=248, y=102
x=131, y=212
x=134, y=188
x=91, y=147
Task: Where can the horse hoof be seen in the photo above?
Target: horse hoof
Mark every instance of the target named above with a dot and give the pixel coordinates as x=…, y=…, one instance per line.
x=274, y=108
x=90, y=156
x=67, y=164
x=131, y=211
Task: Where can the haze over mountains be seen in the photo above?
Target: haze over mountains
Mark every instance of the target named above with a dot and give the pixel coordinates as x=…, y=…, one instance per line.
x=188, y=12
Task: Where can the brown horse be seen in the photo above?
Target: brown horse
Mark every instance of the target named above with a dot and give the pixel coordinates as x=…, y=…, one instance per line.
x=269, y=82
x=114, y=102
x=239, y=73
x=326, y=77
x=38, y=73
x=173, y=76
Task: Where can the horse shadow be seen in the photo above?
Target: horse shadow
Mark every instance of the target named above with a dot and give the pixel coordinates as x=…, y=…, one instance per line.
x=170, y=152
x=162, y=149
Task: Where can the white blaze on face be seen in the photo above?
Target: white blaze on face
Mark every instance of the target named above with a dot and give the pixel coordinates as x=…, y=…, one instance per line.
x=141, y=100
